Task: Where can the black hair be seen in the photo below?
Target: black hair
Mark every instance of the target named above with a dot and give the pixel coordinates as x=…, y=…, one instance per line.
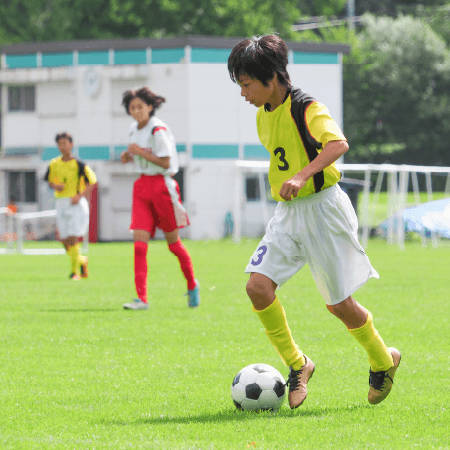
x=63, y=136
x=260, y=58
x=146, y=95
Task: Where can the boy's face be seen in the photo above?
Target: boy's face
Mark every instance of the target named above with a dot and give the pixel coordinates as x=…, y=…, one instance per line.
x=139, y=110
x=254, y=91
x=65, y=146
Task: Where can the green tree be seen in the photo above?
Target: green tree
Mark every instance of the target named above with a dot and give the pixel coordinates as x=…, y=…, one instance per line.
x=51, y=20
x=397, y=95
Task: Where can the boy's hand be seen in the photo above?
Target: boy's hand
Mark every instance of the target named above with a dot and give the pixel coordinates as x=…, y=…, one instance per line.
x=75, y=199
x=291, y=187
x=57, y=186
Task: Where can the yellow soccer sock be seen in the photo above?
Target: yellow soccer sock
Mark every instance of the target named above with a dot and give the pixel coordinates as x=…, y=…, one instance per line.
x=277, y=329
x=379, y=356
x=81, y=258
x=74, y=258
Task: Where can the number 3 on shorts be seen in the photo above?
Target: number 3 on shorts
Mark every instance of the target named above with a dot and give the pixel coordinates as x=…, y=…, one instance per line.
x=262, y=251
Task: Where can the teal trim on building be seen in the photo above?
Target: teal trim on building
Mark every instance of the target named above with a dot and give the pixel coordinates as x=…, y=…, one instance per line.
x=256, y=152
x=181, y=148
x=20, y=151
x=50, y=153
x=118, y=149
x=94, y=152
x=210, y=55
x=316, y=58
x=21, y=61
x=215, y=151
x=57, y=59
x=93, y=58
x=138, y=56
x=167, y=55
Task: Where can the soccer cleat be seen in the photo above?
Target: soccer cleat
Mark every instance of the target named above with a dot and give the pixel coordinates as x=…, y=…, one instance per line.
x=84, y=272
x=136, y=305
x=74, y=276
x=194, y=296
x=381, y=382
x=297, y=381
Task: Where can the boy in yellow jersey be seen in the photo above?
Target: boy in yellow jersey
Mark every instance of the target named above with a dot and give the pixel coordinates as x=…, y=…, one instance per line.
x=72, y=181
x=314, y=221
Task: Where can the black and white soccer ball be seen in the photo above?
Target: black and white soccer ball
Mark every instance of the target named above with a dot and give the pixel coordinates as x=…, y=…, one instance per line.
x=258, y=387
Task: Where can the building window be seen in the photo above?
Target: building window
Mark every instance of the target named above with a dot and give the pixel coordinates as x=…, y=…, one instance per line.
x=22, y=186
x=253, y=187
x=21, y=98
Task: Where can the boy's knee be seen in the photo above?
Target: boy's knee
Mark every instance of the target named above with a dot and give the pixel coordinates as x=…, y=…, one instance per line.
x=258, y=289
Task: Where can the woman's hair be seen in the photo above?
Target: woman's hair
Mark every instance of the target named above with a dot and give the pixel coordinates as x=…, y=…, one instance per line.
x=260, y=58
x=146, y=95
x=63, y=136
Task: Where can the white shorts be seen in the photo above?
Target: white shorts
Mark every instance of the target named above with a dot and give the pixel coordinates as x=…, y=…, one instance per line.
x=72, y=220
x=319, y=230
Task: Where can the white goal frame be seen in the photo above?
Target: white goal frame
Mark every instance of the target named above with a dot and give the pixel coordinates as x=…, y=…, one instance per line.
x=15, y=225
x=398, y=180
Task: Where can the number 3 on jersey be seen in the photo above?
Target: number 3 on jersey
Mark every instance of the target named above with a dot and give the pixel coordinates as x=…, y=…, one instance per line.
x=282, y=152
x=261, y=252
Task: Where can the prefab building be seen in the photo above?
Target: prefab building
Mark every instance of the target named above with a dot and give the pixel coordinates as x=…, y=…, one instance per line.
x=77, y=87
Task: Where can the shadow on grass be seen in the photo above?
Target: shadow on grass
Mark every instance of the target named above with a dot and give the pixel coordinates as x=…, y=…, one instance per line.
x=79, y=310
x=235, y=415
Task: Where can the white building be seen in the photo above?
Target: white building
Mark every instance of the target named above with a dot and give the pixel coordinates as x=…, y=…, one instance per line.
x=77, y=87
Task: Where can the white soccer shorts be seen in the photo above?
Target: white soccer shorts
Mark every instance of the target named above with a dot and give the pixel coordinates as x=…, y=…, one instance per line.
x=72, y=220
x=320, y=230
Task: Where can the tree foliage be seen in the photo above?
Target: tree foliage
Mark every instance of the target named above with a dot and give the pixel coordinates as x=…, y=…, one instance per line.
x=397, y=95
x=51, y=20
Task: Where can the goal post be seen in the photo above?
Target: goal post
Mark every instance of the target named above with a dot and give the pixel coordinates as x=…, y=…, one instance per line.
x=20, y=229
x=397, y=176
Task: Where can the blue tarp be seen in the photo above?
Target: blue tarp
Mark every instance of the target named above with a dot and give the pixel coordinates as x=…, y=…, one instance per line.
x=427, y=217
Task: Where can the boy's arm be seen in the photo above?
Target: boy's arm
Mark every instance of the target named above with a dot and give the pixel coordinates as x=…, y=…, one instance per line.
x=76, y=198
x=330, y=153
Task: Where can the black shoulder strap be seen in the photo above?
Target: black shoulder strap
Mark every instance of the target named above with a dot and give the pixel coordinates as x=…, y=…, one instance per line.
x=81, y=173
x=299, y=103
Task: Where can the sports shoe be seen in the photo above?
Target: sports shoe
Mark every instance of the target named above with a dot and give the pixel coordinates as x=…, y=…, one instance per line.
x=194, y=295
x=84, y=272
x=297, y=381
x=74, y=276
x=381, y=382
x=136, y=304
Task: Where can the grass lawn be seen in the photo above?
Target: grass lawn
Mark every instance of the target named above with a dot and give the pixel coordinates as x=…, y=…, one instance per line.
x=79, y=372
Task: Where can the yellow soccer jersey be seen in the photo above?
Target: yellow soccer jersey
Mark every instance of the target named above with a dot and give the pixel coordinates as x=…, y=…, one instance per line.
x=73, y=174
x=294, y=134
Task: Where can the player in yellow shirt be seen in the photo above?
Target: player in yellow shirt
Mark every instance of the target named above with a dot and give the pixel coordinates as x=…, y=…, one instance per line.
x=72, y=181
x=314, y=221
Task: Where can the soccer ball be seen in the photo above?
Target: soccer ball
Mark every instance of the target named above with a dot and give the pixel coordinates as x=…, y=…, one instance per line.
x=258, y=387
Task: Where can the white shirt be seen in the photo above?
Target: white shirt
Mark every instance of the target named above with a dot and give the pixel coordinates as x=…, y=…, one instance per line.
x=157, y=137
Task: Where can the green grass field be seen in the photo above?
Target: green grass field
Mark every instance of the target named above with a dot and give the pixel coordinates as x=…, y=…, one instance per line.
x=79, y=372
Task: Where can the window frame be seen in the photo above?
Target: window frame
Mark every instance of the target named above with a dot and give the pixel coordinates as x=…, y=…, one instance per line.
x=26, y=103
x=24, y=195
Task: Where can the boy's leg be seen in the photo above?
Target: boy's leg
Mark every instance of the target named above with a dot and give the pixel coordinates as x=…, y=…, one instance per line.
x=261, y=291
x=383, y=361
x=73, y=252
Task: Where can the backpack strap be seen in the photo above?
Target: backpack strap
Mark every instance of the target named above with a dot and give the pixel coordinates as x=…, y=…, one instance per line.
x=81, y=173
